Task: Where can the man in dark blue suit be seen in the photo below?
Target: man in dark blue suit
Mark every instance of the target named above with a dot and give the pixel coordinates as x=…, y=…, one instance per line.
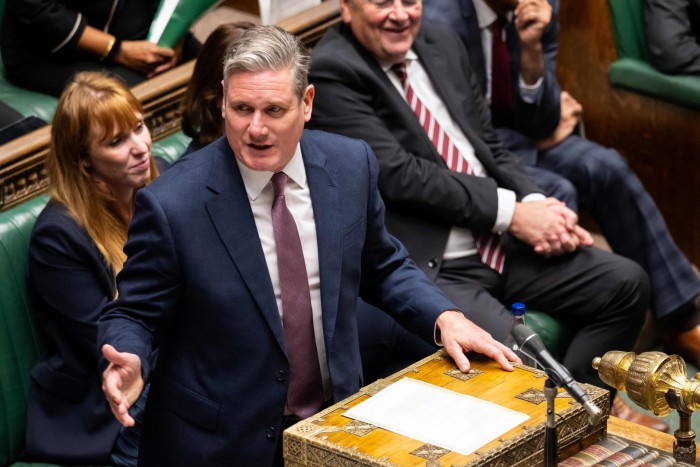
x=206, y=280
x=540, y=130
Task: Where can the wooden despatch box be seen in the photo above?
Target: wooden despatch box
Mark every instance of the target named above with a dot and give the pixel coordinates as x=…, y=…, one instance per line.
x=330, y=439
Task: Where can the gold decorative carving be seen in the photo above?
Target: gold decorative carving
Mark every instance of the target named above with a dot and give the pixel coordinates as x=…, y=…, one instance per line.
x=429, y=452
x=532, y=395
x=457, y=374
x=358, y=428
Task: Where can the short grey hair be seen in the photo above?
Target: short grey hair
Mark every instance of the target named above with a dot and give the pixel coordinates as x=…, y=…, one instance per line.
x=263, y=48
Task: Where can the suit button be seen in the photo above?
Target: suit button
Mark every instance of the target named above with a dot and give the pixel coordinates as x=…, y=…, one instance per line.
x=432, y=264
x=271, y=432
x=281, y=376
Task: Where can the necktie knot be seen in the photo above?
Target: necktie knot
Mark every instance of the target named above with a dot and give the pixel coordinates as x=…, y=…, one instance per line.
x=400, y=70
x=279, y=180
x=498, y=25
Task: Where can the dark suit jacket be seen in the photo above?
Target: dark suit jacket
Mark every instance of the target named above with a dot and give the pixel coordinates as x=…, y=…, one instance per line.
x=68, y=283
x=424, y=198
x=673, y=35
x=536, y=120
x=197, y=285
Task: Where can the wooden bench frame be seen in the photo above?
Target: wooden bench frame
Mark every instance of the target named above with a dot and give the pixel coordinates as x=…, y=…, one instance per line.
x=659, y=139
x=22, y=161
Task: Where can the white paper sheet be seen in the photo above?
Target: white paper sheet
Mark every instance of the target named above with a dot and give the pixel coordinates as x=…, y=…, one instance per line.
x=436, y=415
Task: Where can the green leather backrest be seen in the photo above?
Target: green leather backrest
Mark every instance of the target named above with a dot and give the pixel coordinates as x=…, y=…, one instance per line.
x=627, y=18
x=20, y=340
x=171, y=147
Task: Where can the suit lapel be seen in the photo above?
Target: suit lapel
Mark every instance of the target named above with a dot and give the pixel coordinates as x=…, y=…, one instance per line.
x=229, y=210
x=459, y=102
x=470, y=29
x=325, y=199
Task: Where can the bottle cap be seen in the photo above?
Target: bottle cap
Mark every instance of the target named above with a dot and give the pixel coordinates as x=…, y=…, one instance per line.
x=517, y=308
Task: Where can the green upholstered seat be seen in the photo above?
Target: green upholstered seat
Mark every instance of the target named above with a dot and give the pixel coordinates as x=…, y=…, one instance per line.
x=632, y=69
x=20, y=341
x=24, y=101
x=171, y=147
x=554, y=333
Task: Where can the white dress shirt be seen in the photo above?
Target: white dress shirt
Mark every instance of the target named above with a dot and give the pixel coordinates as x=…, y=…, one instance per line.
x=298, y=200
x=461, y=240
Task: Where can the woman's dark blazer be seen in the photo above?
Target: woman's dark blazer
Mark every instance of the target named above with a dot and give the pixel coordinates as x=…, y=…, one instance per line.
x=68, y=282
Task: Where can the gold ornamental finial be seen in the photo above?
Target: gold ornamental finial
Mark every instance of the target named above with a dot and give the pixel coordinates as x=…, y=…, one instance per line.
x=648, y=377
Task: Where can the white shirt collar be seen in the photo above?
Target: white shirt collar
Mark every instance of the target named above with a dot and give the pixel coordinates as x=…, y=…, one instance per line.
x=410, y=56
x=486, y=16
x=255, y=180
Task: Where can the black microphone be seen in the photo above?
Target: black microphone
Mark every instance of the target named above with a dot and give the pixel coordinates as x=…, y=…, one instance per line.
x=531, y=345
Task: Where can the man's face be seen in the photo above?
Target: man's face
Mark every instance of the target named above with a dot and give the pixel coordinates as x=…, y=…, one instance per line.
x=386, y=28
x=264, y=118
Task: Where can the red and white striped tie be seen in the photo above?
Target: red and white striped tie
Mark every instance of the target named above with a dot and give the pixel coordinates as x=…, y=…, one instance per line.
x=488, y=243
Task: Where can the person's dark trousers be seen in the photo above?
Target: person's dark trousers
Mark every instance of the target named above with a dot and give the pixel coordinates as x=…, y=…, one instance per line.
x=602, y=297
x=628, y=218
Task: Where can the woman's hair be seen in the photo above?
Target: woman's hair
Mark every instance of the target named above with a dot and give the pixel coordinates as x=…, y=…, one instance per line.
x=92, y=103
x=201, y=104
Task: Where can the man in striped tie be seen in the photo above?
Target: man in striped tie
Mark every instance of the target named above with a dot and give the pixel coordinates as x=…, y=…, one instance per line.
x=461, y=204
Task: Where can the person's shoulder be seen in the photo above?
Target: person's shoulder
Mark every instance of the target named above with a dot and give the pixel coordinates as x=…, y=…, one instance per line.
x=190, y=168
x=330, y=140
x=334, y=36
x=55, y=216
x=341, y=151
x=55, y=227
x=337, y=47
x=434, y=32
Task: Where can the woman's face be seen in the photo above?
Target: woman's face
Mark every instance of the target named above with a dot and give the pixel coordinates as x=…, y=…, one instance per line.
x=123, y=161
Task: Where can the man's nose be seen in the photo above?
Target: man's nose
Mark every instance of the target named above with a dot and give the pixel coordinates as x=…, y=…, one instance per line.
x=398, y=11
x=257, y=127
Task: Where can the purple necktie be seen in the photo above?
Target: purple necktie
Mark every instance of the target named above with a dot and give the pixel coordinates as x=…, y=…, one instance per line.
x=501, y=84
x=488, y=243
x=305, y=394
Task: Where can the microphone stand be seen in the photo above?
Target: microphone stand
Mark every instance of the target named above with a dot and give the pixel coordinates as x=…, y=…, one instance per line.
x=551, y=449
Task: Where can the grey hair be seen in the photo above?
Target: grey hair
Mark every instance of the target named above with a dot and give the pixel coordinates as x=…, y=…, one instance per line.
x=263, y=48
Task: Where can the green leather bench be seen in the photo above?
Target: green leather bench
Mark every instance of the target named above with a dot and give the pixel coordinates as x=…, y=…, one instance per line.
x=632, y=69
x=20, y=340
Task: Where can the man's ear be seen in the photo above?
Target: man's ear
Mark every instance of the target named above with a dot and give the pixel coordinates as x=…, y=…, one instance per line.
x=345, y=11
x=307, y=101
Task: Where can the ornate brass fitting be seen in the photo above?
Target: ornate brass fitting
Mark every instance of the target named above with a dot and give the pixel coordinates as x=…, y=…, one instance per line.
x=647, y=377
x=657, y=382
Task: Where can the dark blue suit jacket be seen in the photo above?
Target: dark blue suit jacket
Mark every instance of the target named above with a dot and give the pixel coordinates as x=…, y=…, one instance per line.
x=531, y=121
x=68, y=282
x=196, y=285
